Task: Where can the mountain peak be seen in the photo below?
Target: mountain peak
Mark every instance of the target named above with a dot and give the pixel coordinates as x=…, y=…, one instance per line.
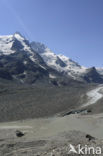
x=17, y=32
x=18, y=36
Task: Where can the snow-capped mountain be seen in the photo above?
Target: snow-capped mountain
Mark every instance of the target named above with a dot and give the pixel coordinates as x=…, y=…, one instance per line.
x=31, y=62
x=67, y=66
x=59, y=62
x=9, y=44
x=18, y=61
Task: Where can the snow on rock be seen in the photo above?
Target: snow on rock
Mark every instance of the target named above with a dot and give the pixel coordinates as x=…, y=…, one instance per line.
x=52, y=76
x=72, y=67
x=59, y=62
x=48, y=56
x=7, y=41
x=100, y=70
x=26, y=46
x=6, y=45
x=19, y=36
x=42, y=67
x=25, y=62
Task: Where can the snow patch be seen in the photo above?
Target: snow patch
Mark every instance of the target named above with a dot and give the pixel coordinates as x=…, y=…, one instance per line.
x=6, y=43
x=43, y=67
x=25, y=62
x=24, y=72
x=52, y=76
x=100, y=70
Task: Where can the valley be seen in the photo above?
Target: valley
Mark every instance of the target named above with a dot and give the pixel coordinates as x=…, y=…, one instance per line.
x=43, y=135
x=47, y=100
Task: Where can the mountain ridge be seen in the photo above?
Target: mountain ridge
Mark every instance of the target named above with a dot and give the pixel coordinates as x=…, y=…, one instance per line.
x=67, y=66
x=22, y=61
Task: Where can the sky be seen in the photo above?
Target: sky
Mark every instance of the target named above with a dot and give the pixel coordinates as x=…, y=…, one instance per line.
x=71, y=27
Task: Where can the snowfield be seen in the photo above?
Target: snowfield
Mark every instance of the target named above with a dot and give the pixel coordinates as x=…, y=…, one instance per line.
x=94, y=95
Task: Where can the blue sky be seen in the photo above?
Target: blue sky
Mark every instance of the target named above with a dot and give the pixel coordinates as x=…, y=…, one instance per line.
x=71, y=27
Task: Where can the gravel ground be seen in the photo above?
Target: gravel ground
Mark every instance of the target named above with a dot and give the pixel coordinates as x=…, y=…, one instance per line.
x=51, y=136
x=58, y=145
